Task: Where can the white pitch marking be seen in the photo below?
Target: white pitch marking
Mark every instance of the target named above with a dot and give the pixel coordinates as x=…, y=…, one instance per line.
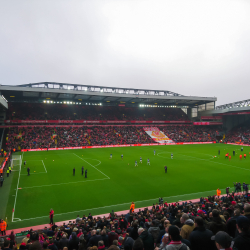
x=36, y=173
x=208, y=161
x=91, y=165
x=119, y=205
x=44, y=167
x=58, y=184
x=17, y=187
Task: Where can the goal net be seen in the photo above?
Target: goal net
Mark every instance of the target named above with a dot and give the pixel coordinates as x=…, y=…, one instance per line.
x=16, y=161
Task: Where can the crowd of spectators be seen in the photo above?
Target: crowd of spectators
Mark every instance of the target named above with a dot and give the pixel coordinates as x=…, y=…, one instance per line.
x=191, y=133
x=51, y=137
x=213, y=223
x=33, y=111
x=239, y=135
x=72, y=136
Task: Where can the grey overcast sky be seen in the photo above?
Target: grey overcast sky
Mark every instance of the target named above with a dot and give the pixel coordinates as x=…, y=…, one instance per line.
x=192, y=47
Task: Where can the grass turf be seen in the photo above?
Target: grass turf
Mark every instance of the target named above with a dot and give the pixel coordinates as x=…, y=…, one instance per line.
x=115, y=183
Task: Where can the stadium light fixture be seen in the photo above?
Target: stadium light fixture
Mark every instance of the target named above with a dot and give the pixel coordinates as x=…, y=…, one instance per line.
x=44, y=101
x=70, y=103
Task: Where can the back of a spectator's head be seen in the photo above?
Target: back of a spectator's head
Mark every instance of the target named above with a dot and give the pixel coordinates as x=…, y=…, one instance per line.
x=199, y=221
x=6, y=244
x=237, y=212
x=140, y=230
x=113, y=247
x=115, y=242
x=222, y=240
x=184, y=217
x=100, y=243
x=243, y=223
x=247, y=208
x=174, y=233
x=215, y=213
x=35, y=246
x=138, y=244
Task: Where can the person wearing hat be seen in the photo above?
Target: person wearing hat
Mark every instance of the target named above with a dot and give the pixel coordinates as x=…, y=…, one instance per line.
x=188, y=226
x=175, y=240
x=26, y=239
x=222, y=241
x=242, y=241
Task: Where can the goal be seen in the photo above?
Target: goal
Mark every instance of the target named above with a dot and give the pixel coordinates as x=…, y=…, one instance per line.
x=16, y=161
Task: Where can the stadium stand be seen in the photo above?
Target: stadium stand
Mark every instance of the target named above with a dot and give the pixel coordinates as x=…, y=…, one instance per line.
x=31, y=111
x=191, y=133
x=43, y=137
x=189, y=225
x=239, y=135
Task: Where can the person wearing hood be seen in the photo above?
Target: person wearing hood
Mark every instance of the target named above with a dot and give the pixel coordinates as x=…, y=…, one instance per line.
x=154, y=230
x=188, y=226
x=200, y=237
x=242, y=241
x=74, y=242
x=147, y=239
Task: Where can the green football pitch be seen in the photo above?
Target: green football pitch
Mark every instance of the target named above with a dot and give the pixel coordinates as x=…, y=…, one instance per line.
x=112, y=184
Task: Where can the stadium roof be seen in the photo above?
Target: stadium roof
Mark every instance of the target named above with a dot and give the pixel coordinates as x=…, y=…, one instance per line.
x=38, y=92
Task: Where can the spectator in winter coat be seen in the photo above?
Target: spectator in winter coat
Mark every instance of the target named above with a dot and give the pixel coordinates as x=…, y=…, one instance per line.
x=216, y=223
x=128, y=243
x=154, y=230
x=242, y=241
x=112, y=236
x=147, y=239
x=93, y=241
x=74, y=242
x=200, y=237
x=188, y=226
x=64, y=242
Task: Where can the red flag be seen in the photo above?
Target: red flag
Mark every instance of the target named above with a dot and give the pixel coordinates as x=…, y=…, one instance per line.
x=13, y=210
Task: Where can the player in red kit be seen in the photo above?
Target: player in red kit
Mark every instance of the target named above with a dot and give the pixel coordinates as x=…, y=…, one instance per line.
x=240, y=157
x=229, y=157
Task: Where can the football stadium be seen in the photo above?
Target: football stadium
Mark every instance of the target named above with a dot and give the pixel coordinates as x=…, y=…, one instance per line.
x=124, y=125
x=84, y=150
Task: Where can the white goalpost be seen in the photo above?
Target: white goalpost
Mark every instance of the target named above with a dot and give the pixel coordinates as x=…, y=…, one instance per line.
x=16, y=162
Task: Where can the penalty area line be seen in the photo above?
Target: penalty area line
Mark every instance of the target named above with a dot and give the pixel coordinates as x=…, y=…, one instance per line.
x=91, y=165
x=58, y=184
x=44, y=167
x=17, y=187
